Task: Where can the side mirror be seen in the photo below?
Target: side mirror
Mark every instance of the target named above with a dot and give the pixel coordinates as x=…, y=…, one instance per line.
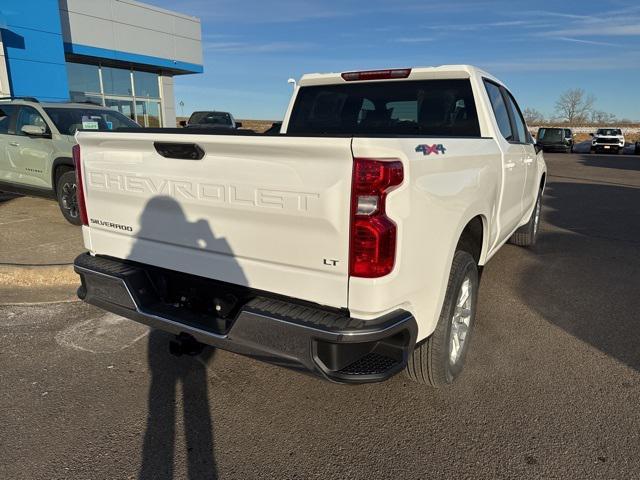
x=537, y=147
x=238, y=124
x=183, y=123
x=34, y=131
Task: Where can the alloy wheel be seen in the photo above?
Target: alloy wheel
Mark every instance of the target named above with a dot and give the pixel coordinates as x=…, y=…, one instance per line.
x=461, y=321
x=69, y=199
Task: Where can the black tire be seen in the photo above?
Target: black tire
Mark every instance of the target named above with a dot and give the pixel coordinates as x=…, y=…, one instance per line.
x=67, y=200
x=527, y=234
x=431, y=362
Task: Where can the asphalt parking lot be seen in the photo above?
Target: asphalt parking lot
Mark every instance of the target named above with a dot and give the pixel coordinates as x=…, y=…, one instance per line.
x=551, y=389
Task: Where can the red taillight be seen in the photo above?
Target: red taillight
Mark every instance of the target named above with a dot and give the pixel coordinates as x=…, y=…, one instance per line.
x=373, y=234
x=82, y=207
x=376, y=74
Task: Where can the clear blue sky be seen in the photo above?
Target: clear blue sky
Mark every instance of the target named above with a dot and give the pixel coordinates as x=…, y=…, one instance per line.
x=538, y=47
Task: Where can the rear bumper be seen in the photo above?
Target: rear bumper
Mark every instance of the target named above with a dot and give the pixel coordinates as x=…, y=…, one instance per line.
x=555, y=147
x=606, y=146
x=281, y=331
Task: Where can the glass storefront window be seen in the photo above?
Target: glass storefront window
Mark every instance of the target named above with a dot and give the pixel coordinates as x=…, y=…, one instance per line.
x=83, y=78
x=116, y=81
x=146, y=85
x=117, y=91
x=148, y=113
x=125, y=107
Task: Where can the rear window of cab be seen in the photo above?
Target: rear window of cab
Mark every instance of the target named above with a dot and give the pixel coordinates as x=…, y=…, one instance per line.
x=410, y=108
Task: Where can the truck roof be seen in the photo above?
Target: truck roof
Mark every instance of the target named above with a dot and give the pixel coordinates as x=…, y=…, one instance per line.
x=416, y=73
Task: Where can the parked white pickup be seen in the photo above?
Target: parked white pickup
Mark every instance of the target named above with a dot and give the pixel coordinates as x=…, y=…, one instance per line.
x=348, y=245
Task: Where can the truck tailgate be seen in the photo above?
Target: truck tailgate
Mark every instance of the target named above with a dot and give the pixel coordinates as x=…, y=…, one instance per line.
x=271, y=213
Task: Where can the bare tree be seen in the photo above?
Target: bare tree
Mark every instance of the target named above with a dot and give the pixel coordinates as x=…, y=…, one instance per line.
x=602, y=118
x=574, y=106
x=533, y=116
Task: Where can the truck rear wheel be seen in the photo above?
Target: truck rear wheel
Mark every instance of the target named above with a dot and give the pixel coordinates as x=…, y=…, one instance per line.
x=67, y=199
x=438, y=361
x=527, y=234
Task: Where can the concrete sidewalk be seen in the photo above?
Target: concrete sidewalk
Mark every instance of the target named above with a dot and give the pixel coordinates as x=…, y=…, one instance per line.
x=37, y=248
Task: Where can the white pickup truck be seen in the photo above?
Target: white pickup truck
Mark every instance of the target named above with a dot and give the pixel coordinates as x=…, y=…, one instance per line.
x=348, y=245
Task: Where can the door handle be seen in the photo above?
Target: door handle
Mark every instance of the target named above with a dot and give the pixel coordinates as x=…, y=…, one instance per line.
x=14, y=144
x=528, y=161
x=510, y=165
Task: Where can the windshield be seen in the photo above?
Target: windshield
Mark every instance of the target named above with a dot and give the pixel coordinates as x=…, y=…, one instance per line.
x=69, y=120
x=609, y=132
x=550, y=134
x=211, y=118
x=423, y=107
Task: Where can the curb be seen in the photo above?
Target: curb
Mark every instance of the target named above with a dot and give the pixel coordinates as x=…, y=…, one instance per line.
x=19, y=276
x=22, y=284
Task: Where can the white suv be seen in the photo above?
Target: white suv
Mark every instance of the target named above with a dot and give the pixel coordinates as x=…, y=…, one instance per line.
x=608, y=140
x=35, y=146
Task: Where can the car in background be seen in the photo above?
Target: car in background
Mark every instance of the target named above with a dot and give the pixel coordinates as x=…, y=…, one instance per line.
x=211, y=119
x=637, y=149
x=552, y=139
x=36, y=141
x=607, y=140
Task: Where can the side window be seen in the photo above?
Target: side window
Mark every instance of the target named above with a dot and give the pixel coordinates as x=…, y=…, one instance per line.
x=6, y=112
x=521, y=127
x=500, y=111
x=29, y=116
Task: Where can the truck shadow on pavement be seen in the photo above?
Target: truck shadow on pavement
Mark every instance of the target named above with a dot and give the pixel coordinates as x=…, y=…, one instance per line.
x=584, y=276
x=622, y=162
x=163, y=218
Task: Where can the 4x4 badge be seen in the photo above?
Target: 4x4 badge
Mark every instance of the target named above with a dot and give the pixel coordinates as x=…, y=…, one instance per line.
x=429, y=149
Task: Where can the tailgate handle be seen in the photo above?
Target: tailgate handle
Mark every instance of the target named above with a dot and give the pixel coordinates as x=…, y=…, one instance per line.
x=179, y=151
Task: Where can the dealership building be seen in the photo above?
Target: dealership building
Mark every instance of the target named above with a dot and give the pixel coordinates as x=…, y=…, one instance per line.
x=119, y=53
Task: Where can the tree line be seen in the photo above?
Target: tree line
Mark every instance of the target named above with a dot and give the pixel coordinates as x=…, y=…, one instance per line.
x=574, y=107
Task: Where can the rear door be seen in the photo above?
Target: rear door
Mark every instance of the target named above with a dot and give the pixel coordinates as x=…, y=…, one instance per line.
x=32, y=155
x=513, y=166
x=7, y=172
x=530, y=191
x=267, y=212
